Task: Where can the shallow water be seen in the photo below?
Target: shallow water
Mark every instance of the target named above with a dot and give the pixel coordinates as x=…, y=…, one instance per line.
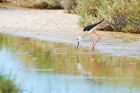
x=44, y=67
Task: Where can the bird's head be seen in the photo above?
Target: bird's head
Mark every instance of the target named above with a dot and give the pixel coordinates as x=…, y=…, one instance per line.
x=79, y=38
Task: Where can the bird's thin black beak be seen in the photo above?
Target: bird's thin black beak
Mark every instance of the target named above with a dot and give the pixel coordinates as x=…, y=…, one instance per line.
x=77, y=44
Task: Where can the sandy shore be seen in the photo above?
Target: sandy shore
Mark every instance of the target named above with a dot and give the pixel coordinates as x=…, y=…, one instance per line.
x=55, y=25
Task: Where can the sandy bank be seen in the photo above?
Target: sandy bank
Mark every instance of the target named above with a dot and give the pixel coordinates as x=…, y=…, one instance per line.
x=54, y=25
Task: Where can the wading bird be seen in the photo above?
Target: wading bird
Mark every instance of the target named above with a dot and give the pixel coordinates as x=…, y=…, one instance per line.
x=90, y=29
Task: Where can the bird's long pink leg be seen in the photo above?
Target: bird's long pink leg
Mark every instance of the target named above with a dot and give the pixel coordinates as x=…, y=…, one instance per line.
x=92, y=41
x=98, y=38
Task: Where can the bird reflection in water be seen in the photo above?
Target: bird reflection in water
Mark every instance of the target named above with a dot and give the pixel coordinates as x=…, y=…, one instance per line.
x=81, y=69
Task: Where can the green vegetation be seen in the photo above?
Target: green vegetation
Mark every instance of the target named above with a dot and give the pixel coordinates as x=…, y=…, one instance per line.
x=119, y=15
x=69, y=6
x=7, y=86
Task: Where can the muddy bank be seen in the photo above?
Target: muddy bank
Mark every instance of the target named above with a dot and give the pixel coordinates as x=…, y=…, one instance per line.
x=56, y=26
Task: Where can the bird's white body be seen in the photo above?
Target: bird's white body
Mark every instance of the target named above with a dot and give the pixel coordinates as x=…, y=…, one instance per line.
x=79, y=38
x=90, y=29
x=93, y=30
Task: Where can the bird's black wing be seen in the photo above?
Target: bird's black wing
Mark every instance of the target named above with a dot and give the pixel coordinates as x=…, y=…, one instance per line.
x=89, y=27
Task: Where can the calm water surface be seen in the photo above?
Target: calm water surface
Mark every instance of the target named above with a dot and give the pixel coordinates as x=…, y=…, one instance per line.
x=44, y=67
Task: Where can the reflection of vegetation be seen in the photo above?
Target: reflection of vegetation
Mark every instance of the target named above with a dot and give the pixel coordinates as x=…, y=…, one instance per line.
x=35, y=54
x=114, y=68
x=40, y=54
x=7, y=86
x=30, y=50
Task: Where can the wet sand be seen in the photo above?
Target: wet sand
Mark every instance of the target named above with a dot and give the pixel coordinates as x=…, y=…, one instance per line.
x=56, y=26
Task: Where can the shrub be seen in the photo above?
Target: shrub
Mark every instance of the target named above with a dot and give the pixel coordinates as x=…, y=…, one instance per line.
x=69, y=6
x=121, y=15
x=53, y=4
x=41, y=5
x=87, y=11
x=113, y=12
x=86, y=7
x=133, y=17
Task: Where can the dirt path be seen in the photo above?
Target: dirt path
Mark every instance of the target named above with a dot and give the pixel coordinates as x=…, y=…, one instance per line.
x=54, y=25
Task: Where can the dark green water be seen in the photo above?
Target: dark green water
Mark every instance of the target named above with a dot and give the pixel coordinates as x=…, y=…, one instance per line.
x=44, y=67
